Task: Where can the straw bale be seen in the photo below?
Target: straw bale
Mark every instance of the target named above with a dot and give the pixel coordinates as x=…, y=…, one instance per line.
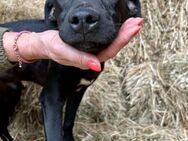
x=141, y=95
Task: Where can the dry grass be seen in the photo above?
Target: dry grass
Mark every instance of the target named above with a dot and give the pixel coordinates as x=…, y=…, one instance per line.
x=142, y=94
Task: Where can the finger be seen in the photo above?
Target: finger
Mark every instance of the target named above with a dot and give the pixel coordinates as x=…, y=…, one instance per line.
x=124, y=36
x=74, y=57
x=133, y=21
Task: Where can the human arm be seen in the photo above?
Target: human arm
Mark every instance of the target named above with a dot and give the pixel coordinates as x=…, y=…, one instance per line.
x=48, y=45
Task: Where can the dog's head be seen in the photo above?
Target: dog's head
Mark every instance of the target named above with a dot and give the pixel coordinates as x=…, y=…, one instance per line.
x=90, y=25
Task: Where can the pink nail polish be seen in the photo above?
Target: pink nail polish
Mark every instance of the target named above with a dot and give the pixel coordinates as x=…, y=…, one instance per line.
x=93, y=66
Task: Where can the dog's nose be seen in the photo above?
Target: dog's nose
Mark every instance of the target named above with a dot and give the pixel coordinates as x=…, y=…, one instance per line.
x=84, y=21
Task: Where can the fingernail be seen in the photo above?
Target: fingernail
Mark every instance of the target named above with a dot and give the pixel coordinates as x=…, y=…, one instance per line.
x=93, y=66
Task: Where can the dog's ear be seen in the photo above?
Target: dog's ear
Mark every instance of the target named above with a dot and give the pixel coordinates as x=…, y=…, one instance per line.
x=49, y=10
x=128, y=8
x=134, y=8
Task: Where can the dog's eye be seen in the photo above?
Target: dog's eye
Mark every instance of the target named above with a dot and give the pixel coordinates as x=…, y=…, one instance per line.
x=134, y=8
x=58, y=6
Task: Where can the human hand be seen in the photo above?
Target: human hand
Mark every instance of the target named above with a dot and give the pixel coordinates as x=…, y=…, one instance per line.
x=67, y=55
x=48, y=45
x=52, y=47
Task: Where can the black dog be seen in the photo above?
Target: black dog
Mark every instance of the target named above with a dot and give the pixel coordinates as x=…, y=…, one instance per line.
x=88, y=25
x=9, y=96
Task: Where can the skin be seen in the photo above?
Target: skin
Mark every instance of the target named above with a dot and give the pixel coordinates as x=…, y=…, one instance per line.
x=48, y=45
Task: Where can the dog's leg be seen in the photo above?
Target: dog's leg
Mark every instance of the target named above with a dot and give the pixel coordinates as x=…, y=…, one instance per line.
x=72, y=105
x=52, y=103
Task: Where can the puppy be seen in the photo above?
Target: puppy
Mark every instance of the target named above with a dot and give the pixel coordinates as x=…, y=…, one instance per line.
x=88, y=25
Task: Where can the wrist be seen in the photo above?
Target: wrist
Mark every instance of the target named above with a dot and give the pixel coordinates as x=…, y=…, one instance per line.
x=28, y=46
x=8, y=42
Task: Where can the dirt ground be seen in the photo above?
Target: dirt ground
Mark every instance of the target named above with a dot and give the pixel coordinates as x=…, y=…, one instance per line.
x=143, y=93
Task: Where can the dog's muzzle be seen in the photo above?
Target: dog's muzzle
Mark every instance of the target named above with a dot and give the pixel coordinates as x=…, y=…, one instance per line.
x=84, y=20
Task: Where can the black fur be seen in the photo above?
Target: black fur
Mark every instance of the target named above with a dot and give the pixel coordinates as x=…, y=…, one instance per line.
x=88, y=25
x=9, y=97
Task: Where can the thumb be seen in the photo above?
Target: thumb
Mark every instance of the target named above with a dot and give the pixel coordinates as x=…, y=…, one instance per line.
x=83, y=60
x=90, y=61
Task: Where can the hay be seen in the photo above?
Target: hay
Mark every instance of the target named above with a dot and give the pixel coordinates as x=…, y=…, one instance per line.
x=141, y=95
x=20, y=9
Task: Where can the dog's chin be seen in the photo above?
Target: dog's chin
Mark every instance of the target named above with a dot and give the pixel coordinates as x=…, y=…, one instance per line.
x=90, y=47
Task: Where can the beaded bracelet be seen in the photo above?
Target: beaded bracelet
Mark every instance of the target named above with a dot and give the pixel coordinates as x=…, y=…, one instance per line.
x=16, y=50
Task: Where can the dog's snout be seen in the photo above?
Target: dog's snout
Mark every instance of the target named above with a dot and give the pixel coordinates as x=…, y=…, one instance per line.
x=84, y=21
